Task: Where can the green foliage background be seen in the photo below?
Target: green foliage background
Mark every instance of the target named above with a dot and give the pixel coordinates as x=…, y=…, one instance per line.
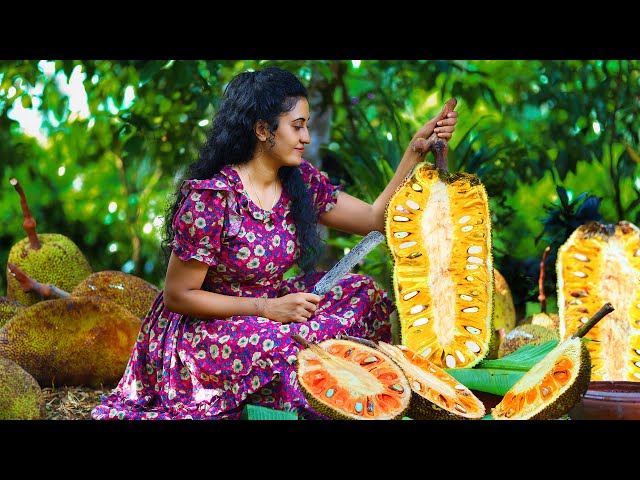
x=532, y=130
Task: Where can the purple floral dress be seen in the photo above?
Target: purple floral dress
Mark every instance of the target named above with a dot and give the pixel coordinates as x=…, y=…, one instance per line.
x=184, y=367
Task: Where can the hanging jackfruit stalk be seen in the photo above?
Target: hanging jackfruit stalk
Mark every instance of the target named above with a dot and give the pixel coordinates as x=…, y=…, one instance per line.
x=598, y=263
x=438, y=230
x=554, y=385
x=548, y=320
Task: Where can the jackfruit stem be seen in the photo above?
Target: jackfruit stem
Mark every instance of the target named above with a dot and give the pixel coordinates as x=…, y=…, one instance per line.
x=29, y=223
x=440, y=145
x=541, y=296
x=28, y=284
x=605, y=310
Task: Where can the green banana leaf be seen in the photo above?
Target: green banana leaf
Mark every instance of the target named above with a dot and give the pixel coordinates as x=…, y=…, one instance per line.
x=499, y=375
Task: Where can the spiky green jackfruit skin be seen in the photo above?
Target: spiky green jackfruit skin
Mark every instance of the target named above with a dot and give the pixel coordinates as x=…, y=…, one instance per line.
x=133, y=293
x=8, y=308
x=59, y=262
x=525, y=334
x=551, y=388
x=71, y=341
x=20, y=394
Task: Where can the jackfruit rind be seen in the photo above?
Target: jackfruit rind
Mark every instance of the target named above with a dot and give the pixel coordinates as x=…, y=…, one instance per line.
x=601, y=263
x=71, y=341
x=59, y=262
x=438, y=230
x=353, y=382
x=525, y=334
x=8, y=308
x=20, y=394
x=436, y=394
x=551, y=388
x=504, y=310
x=132, y=292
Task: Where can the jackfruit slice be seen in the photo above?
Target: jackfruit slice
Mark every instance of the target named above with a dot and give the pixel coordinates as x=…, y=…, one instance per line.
x=438, y=230
x=49, y=258
x=598, y=263
x=347, y=380
x=436, y=394
x=554, y=385
x=71, y=341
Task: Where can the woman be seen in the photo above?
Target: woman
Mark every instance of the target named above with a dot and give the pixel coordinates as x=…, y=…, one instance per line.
x=219, y=335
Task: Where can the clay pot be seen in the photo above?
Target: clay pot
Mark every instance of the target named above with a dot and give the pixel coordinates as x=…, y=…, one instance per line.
x=609, y=400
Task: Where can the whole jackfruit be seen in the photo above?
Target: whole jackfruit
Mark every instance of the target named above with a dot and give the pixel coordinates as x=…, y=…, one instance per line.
x=553, y=386
x=347, y=380
x=8, y=308
x=48, y=258
x=71, y=341
x=20, y=395
x=504, y=310
x=548, y=320
x=438, y=231
x=525, y=334
x=598, y=263
x=132, y=292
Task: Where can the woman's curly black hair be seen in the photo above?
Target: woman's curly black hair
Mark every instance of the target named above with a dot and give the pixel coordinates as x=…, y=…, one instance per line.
x=251, y=97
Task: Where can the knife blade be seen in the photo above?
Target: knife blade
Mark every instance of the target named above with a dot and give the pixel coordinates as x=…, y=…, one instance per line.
x=346, y=263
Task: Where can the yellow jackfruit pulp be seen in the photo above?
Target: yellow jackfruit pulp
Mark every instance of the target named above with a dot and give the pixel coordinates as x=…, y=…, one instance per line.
x=601, y=263
x=438, y=230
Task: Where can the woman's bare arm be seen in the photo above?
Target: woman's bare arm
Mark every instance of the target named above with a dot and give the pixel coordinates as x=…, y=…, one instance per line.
x=183, y=294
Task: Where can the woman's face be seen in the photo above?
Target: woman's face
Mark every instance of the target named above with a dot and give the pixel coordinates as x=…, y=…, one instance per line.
x=291, y=136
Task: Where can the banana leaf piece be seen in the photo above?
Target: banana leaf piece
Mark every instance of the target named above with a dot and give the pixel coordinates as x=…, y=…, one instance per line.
x=499, y=375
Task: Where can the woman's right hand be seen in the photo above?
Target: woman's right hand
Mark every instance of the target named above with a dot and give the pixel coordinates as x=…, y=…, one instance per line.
x=293, y=307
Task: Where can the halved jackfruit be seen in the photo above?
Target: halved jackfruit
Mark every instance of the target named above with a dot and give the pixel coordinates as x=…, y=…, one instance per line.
x=347, y=380
x=436, y=394
x=438, y=230
x=601, y=263
x=554, y=385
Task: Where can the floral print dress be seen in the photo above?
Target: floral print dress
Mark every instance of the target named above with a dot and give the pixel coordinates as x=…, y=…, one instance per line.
x=183, y=367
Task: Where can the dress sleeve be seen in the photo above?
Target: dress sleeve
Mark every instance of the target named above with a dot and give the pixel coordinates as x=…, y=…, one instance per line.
x=198, y=224
x=324, y=194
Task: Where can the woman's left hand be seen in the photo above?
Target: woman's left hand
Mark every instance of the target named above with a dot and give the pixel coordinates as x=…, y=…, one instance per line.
x=442, y=124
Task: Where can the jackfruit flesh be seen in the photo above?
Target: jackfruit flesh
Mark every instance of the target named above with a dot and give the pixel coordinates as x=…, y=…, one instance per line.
x=551, y=388
x=438, y=230
x=71, y=341
x=601, y=263
x=352, y=381
x=20, y=395
x=436, y=394
x=58, y=262
x=132, y=292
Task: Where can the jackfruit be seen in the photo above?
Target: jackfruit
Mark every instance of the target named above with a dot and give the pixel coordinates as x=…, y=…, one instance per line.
x=553, y=386
x=436, y=394
x=132, y=292
x=601, y=262
x=48, y=258
x=504, y=310
x=8, y=308
x=525, y=334
x=71, y=341
x=20, y=395
x=438, y=231
x=347, y=380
